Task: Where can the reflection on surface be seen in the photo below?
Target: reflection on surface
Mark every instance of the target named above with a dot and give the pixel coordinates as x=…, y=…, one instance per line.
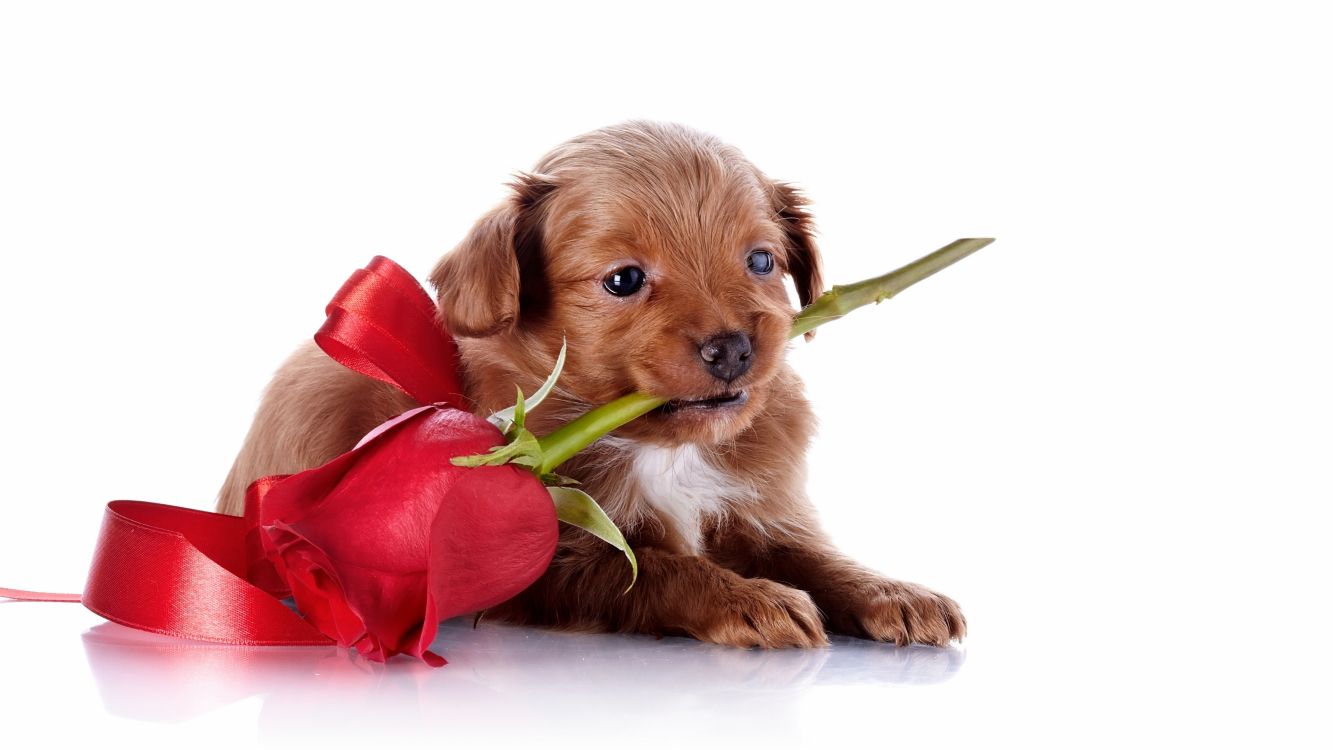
x=501, y=681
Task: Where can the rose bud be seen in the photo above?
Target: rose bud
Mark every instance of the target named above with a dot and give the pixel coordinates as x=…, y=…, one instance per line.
x=379, y=545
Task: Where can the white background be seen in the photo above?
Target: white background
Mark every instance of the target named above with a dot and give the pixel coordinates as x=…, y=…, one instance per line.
x=1107, y=435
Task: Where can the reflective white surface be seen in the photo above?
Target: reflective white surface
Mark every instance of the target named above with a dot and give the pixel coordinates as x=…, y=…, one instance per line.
x=504, y=685
x=77, y=678
x=528, y=681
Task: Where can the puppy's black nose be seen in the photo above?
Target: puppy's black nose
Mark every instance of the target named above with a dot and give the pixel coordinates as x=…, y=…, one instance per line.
x=726, y=355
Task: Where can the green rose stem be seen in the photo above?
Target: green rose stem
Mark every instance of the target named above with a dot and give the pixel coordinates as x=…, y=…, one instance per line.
x=561, y=445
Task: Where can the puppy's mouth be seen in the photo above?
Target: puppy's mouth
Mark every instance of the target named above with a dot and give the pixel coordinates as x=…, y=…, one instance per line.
x=697, y=405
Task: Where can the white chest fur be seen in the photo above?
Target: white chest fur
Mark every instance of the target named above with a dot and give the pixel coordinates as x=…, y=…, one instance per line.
x=684, y=487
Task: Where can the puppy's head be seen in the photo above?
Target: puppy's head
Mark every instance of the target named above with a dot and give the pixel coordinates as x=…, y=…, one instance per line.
x=659, y=253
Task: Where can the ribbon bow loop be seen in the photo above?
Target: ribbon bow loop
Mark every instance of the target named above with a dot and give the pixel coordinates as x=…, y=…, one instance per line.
x=382, y=324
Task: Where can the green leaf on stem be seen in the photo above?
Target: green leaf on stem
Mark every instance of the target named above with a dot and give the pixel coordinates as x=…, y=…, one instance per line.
x=522, y=449
x=505, y=418
x=520, y=412
x=577, y=508
x=558, y=480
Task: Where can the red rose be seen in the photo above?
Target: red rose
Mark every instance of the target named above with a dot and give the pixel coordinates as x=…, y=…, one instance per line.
x=382, y=543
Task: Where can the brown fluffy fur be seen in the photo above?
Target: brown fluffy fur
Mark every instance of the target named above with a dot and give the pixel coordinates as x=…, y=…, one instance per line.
x=756, y=570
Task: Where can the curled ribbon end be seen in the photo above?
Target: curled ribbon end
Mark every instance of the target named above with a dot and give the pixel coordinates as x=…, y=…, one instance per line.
x=37, y=596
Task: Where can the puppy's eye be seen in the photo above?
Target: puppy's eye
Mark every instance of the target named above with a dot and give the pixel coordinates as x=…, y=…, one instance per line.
x=760, y=262
x=623, y=282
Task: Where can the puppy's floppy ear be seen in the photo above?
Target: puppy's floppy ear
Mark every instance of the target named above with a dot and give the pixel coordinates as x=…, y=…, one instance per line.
x=803, y=259
x=480, y=281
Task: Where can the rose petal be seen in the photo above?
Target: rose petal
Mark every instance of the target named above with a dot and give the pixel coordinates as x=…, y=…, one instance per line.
x=494, y=536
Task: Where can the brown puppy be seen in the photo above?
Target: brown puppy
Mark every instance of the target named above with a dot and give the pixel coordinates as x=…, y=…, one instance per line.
x=658, y=253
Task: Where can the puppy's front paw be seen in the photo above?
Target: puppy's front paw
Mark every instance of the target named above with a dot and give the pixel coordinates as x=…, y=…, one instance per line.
x=900, y=612
x=760, y=612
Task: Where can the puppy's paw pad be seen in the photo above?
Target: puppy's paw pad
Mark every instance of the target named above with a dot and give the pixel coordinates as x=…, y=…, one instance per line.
x=906, y=613
x=764, y=614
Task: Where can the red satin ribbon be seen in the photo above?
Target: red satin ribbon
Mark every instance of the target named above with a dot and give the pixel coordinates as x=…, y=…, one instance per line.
x=381, y=323
x=37, y=596
x=186, y=573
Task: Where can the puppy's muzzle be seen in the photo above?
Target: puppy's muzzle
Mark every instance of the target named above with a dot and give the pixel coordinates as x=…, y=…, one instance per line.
x=727, y=355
